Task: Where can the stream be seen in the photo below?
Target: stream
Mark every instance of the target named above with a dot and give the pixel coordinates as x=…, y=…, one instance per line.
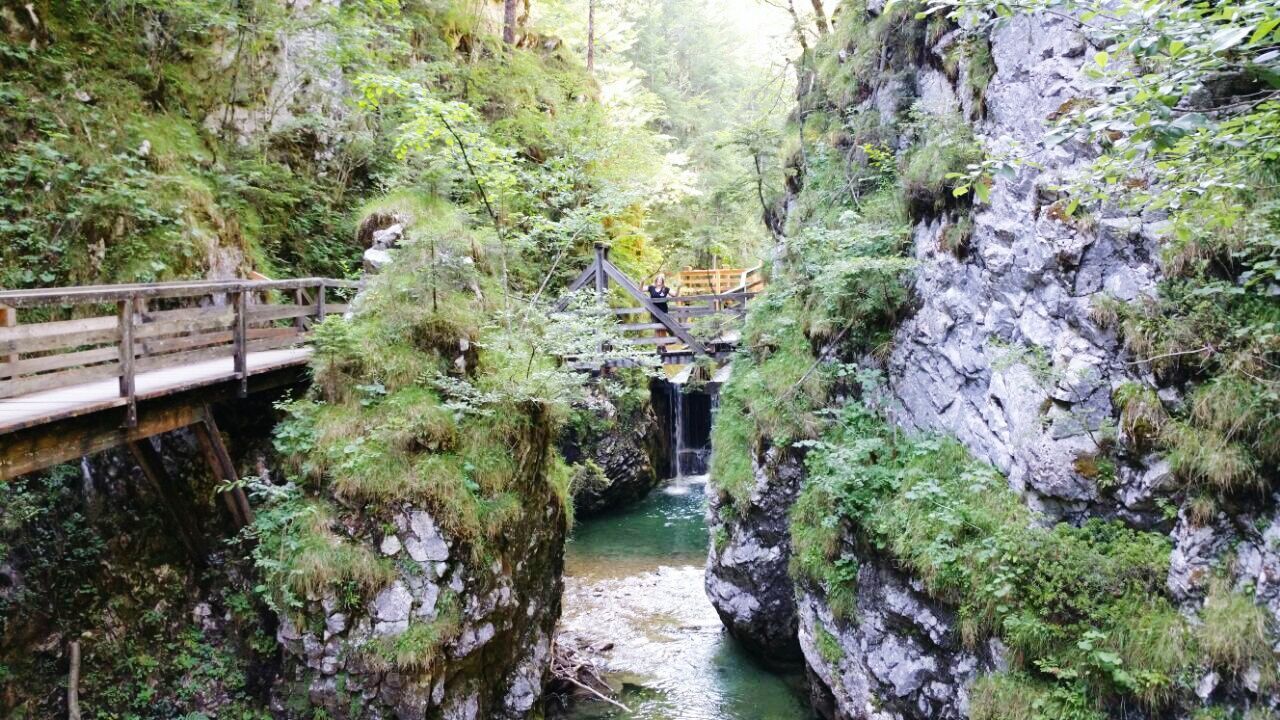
x=633, y=580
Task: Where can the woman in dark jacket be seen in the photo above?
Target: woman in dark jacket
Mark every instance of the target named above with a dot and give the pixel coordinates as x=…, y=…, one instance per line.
x=659, y=293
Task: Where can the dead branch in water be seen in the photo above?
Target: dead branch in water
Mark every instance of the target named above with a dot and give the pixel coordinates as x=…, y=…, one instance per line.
x=570, y=665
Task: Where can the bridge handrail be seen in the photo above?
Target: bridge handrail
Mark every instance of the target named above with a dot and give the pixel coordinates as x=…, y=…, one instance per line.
x=90, y=294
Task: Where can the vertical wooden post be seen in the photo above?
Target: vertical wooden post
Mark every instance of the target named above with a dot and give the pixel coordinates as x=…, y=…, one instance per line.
x=320, y=299
x=299, y=299
x=124, y=315
x=9, y=368
x=9, y=318
x=240, y=340
x=602, y=279
x=73, y=680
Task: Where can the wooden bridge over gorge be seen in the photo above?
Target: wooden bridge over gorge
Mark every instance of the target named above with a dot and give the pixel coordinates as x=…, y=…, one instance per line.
x=718, y=293
x=92, y=368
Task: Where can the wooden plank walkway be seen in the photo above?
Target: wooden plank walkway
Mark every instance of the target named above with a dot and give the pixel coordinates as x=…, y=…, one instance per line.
x=17, y=413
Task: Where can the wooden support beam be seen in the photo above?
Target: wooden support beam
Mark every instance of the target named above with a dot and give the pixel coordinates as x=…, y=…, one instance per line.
x=676, y=328
x=176, y=507
x=39, y=446
x=220, y=460
x=578, y=283
x=228, y=466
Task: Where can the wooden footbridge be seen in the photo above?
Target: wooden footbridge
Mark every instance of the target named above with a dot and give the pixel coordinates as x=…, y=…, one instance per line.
x=91, y=368
x=721, y=292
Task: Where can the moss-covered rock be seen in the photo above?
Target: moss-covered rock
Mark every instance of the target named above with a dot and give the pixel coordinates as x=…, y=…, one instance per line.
x=613, y=445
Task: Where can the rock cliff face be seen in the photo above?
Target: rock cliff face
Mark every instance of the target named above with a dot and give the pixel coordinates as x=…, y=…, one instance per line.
x=1001, y=351
x=901, y=658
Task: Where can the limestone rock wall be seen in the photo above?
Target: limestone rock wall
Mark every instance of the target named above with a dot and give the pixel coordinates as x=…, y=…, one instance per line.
x=615, y=451
x=495, y=668
x=1002, y=352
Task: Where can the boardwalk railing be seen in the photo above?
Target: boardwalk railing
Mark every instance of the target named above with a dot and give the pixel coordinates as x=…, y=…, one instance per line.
x=720, y=281
x=125, y=330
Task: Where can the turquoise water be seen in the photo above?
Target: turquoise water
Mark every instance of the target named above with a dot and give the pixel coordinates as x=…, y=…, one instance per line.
x=634, y=580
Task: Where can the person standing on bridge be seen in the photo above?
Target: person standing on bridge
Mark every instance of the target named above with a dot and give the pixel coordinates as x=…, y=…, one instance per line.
x=659, y=293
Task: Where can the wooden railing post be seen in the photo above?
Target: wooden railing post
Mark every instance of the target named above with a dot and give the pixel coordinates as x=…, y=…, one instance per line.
x=602, y=278
x=8, y=319
x=320, y=299
x=128, y=390
x=299, y=299
x=240, y=340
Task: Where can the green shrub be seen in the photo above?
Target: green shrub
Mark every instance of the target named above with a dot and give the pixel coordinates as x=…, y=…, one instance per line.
x=1236, y=634
x=944, y=145
x=1081, y=608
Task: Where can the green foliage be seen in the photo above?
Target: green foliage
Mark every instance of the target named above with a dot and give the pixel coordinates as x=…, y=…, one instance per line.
x=829, y=646
x=1236, y=635
x=843, y=288
x=299, y=555
x=88, y=571
x=112, y=175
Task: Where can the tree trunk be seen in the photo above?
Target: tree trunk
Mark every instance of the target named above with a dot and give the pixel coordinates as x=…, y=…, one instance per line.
x=509, y=10
x=795, y=18
x=820, y=17
x=591, y=36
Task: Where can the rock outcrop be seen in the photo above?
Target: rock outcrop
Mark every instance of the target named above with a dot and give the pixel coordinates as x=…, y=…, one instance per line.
x=747, y=579
x=611, y=447
x=898, y=656
x=1003, y=351
x=501, y=617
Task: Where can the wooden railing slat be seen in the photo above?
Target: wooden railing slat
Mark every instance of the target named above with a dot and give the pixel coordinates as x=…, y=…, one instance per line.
x=47, y=363
x=58, y=334
x=65, y=378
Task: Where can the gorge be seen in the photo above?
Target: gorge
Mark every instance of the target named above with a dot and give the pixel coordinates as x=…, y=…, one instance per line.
x=998, y=437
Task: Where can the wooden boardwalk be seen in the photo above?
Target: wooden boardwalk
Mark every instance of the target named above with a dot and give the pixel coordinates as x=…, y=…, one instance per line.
x=26, y=411
x=89, y=368
x=84, y=369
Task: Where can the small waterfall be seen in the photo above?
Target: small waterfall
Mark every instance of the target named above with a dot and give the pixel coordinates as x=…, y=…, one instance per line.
x=688, y=421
